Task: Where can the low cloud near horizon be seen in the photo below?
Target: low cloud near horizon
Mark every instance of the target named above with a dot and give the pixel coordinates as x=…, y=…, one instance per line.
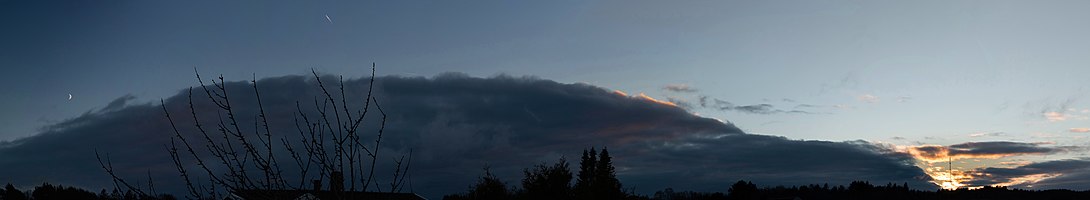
x=456, y=124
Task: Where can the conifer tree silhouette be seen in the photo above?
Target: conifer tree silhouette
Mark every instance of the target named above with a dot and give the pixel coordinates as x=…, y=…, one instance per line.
x=597, y=177
x=605, y=184
x=547, y=181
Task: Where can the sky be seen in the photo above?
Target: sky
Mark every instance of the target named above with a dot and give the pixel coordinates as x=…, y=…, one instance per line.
x=994, y=88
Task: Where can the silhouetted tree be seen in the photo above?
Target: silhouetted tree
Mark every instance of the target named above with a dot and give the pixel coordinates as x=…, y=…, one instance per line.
x=11, y=193
x=329, y=145
x=488, y=187
x=597, y=177
x=49, y=191
x=605, y=184
x=547, y=182
x=742, y=190
x=670, y=194
x=587, y=166
x=597, y=180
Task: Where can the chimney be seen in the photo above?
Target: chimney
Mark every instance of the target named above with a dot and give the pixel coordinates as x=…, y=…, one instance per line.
x=317, y=185
x=336, y=181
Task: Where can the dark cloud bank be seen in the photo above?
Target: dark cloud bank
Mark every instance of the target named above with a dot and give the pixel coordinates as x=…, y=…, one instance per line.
x=1069, y=173
x=457, y=124
x=989, y=149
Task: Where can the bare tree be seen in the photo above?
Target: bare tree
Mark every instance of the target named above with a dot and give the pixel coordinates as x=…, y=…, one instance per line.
x=329, y=145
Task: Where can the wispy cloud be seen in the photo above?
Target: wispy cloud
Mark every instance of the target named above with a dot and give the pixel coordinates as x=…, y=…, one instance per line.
x=764, y=108
x=1069, y=114
x=987, y=134
x=679, y=88
x=868, y=98
x=903, y=99
x=1056, y=111
x=704, y=101
x=1079, y=130
x=680, y=103
x=1055, y=116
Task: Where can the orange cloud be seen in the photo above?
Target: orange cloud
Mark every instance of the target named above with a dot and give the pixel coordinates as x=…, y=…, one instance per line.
x=934, y=154
x=1070, y=114
x=1079, y=130
x=937, y=161
x=974, y=150
x=1055, y=116
x=645, y=97
x=949, y=179
x=1015, y=163
x=1028, y=180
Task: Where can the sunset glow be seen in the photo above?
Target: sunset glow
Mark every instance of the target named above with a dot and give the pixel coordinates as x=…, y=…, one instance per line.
x=958, y=170
x=1028, y=180
x=949, y=179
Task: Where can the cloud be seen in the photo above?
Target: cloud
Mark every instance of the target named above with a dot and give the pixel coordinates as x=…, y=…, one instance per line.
x=680, y=103
x=679, y=88
x=903, y=99
x=1079, y=130
x=767, y=160
x=997, y=149
x=704, y=101
x=1056, y=111
x=1055, y=116
x=118, y=103
x=808, y=106
x=868, y=98
x=987, y=134
x=764, y=108
x=456, y=124
x=1057, y=174
x=649, y=98
x=1070, y=114
x=951, y=179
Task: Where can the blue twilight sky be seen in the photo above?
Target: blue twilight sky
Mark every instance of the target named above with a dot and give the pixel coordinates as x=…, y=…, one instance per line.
x=903, y=73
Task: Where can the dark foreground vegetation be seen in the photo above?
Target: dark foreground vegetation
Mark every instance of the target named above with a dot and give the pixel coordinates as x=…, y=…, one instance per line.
x=48, y=191
x=596, y=180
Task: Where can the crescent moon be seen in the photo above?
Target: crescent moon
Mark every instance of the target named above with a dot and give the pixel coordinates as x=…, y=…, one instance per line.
x=69, y=97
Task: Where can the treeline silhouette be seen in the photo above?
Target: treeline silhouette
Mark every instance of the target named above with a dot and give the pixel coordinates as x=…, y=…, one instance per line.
x=597, y=180
x=48, y=191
